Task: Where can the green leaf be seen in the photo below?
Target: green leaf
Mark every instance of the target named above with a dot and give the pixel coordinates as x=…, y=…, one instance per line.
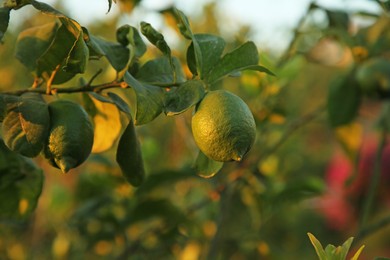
x=56, y=55
x=155, y=38
x=331, y=252
x=7, y=102
x=344, y=97
x=4, y=20
x=211, y=49
x=159, y=71
x=116, y=54
x=344, y=249
x=49, y=10
x=317, y=246
x=20, y=185
x=109, y=5
x=33, y=42
x=76, y=62
x=194, y=58
x=26, y=127
x=183, y=24
x=149, y=100
x=206, y=167
x=99, y=97
x=119, y=102
x=338, y=19
x=244, y=57
x=129, y=156
x=129, y=35
x=180, y=99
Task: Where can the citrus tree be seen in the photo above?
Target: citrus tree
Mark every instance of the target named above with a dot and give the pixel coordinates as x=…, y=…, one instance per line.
x=183, y=152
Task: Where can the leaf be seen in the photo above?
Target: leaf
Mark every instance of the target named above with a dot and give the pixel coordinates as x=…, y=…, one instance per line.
x=357, y=254
x=317, y=246
x=331, y=252
x=57, y=53
x=4, y=20
x=344, y=249
x=159, y=71
x=244, y=57
x=20, y=185
x=116, y=54
x=26, y=127
x=77, y=60
x=206, y=167
x=344, y=97
x=149, y=100
x=33, y=42
x=129, y=35
x=47, y=9
x=194, y=58
x=338, y=19
x=107, y=124
x=109, y=5
x=119, y=102
x=182, y=98
x=7, y=102
x=211, y=49
x=129, y=156
x=155, y=38
x=101, y=98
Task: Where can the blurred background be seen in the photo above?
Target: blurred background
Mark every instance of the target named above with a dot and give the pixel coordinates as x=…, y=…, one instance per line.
x=302, y=175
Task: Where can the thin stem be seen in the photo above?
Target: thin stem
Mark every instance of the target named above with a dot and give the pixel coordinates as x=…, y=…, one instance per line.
x=364, y=232
x=294, y=126
x=368, y=203
x=86, y=88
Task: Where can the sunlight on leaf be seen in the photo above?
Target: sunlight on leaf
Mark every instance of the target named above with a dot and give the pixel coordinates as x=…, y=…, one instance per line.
x=318, y=247
x=107, y=126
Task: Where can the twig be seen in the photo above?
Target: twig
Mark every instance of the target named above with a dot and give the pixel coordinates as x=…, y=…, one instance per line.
x=86, y=88
x=367, y=206
x=293, y=128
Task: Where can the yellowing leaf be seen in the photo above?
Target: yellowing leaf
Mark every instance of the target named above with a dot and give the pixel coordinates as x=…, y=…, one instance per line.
x=350, y=138
x=107, y=126
x=23, y=206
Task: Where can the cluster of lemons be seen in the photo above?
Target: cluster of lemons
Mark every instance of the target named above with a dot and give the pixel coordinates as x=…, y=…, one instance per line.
x=61, y=131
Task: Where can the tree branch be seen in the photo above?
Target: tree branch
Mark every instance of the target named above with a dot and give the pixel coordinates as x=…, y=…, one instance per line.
x=86, y=88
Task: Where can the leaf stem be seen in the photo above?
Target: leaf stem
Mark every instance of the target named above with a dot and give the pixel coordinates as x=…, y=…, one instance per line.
x=367, y=206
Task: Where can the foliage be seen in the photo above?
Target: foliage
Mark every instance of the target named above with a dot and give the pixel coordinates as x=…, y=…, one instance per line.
x=145, y=190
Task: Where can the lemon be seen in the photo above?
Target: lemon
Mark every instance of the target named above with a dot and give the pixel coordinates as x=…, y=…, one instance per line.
x=223, y=126
x=71, y=135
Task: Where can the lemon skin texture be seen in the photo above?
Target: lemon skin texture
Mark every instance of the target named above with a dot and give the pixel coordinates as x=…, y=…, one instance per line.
x=223, y=126
x=71, y=135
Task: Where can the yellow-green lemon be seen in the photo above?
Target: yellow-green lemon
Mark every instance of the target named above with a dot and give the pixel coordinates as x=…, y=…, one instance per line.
x=71, y=135
x=223, y=126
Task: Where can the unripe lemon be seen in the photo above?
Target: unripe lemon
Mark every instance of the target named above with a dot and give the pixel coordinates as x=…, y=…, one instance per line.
x=71, y=135
x=223, y=126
